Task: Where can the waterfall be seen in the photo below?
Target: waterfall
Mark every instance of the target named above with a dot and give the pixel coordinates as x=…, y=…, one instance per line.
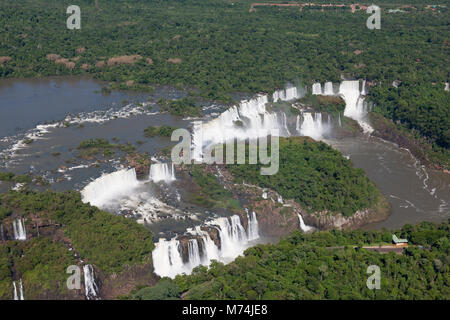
x=162, y=172
x=194, y=253
x=280, y=199
x=284, y=124
x=447, y=87
x=89, y=283
x=20, y=233
x=328, y=89
x=201, y=250
x=167, y=259
x=20, y=295
x=109, y=188
x=354, y=103
x=290, y=93
x=339, y=120
x=232, y=237
x=313, y=127
x=248, y=120
x=349, y=90
x=303, y=226
x=317, y=88
x=252, y=229
x=364, y=91
x=2, y=232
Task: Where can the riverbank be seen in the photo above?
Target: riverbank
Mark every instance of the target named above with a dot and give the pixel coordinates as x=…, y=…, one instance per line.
x=419, y=147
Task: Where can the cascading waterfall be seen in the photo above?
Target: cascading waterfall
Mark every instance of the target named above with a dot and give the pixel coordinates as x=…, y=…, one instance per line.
x=280, y=199
x=284, y=125
x=20, y=295
x=20, y=233
x=303, y=226
x=364, y=91
x=353, y=96
x=290, y=93
x=167, y=258
x=105, y=191
x=312, y=126
x=317, y=88
x=232, y=236
x=328, y=89
x=354, y=107
x=2, y=232
x=252, y=229
x=90, y=285
x=162, y=172
x=249, y=120
x=201, y=250
x=194, y=253
x=354, y=102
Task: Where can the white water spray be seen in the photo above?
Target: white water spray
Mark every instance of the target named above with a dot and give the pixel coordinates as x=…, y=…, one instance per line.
x=302, y=224
x=316, y=88
x=105, y=191
x=18, y=296
x=90, y=285
x=234, y=239
x=20, y=233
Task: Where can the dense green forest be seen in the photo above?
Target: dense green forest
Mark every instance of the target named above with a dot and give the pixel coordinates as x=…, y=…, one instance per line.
x=305, y=266
x=219, y=47
x=315, y=175
x=109, y=242
x=424, y=110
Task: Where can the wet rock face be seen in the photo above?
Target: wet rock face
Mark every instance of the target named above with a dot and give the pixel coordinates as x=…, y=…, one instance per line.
x=213, y=234
x=277, y=219
x=141, y=163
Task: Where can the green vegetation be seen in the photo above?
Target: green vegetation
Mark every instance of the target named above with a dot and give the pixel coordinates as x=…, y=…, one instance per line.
x=12, y=177
x=41, y=264
x=165, y=289
x=302, y=267
x=316, y=176
x=423, y=110
x=163, y=131
x=218, y=47
x=109, y=242
x=329, y=104
x=181, y=107
x=211, y=194
x=92, y=147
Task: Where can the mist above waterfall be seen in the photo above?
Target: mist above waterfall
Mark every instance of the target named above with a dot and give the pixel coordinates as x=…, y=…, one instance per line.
x=162, y=172
x=107, y=191
x=312, y=125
